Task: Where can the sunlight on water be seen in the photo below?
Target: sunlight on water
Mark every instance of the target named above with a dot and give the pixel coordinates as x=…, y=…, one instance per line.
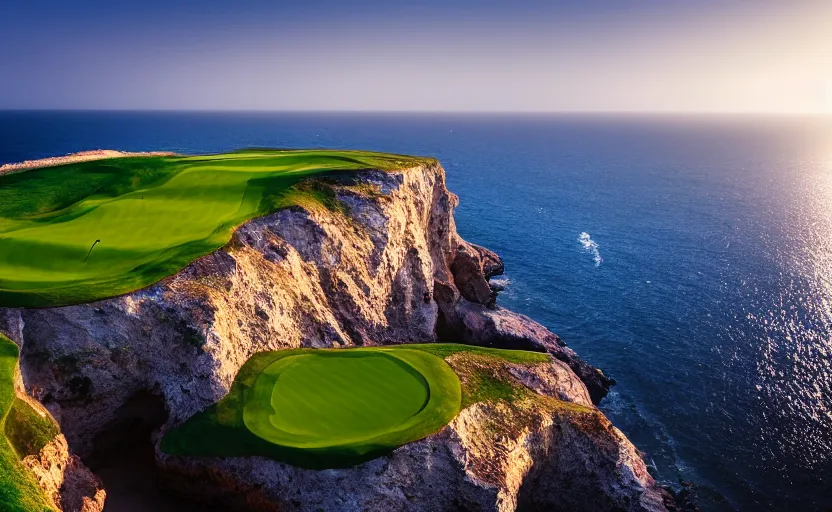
x=794, y=370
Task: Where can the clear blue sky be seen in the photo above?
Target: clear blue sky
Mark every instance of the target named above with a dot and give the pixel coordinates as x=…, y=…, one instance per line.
x=461, y=55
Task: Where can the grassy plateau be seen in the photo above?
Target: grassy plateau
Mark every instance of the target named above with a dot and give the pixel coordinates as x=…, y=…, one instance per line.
x=330, y=408
x=23, y=431
x=86, y=231
x=324, y=408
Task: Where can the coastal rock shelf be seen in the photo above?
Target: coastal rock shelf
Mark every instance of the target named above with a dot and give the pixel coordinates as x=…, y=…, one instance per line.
x=325, y=408
x=364, y=260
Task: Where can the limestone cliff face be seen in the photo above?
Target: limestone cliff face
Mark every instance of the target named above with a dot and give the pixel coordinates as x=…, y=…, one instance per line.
x=63, y=477
x=70, y=485
x=535, y=453
x=381, y=264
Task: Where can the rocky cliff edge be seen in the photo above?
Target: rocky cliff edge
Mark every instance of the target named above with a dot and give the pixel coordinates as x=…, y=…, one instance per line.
x=380, y=264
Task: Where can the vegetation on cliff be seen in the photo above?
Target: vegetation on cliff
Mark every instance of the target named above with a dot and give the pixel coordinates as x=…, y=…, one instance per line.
x=22, y=430
x=86, y=231
x=325, y=408
x=363, y=259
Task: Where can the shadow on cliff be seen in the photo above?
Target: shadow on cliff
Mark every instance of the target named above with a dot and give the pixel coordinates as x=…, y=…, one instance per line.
x=123, y=457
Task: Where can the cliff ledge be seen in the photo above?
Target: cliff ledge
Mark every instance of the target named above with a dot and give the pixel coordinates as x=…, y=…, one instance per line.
x=381, y=264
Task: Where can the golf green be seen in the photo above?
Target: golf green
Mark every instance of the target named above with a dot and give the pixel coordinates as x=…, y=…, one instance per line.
x=338, y=398
x=322, y=408
x=86, y=231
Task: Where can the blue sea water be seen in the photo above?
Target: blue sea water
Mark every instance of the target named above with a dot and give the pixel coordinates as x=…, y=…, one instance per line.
x=689, y=257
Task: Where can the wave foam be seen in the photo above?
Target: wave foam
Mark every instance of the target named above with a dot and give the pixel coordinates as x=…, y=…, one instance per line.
x=590, y=246
x=500, y=283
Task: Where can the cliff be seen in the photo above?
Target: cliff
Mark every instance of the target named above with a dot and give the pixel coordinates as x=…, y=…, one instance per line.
x=380, y=263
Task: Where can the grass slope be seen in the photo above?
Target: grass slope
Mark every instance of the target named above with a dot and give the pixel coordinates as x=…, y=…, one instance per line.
x=482, y=371
x=152, y=215
x=324, y=408
x=333, y=408
x=18, y=490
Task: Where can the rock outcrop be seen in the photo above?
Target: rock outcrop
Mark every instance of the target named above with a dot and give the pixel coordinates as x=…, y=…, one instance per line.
x=381, y=264
x=70, y=485
x=61, y=475
x=535, y=452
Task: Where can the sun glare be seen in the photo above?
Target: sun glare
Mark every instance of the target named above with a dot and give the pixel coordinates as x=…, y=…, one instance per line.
x=827, y=101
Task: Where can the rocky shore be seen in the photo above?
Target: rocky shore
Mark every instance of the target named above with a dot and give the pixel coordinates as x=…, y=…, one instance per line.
x=384, y=266
x=83, y=156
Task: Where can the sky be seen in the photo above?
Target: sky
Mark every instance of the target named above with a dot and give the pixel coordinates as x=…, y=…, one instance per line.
x=749, y=56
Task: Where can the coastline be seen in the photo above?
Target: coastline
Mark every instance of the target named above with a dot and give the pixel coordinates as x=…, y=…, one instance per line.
x=81, y=156
x=187, y=338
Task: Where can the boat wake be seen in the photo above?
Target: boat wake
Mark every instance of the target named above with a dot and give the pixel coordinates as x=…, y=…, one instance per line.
x=591, y=246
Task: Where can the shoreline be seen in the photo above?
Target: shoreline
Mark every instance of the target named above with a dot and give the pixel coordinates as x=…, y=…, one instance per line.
x=81, y=156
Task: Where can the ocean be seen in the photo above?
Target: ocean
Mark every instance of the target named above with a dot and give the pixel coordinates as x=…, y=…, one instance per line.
x=690, y=257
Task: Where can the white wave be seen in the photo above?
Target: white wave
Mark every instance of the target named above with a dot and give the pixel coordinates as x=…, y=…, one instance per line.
x=499, y=283
x=590, y=246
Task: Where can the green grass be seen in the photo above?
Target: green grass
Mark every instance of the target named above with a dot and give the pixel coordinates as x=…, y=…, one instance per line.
x=152, y=215
x=19, y=491
x=445, y=350
x=329, y=408
x=482, y=370
x=324, y=408
x=29, y=430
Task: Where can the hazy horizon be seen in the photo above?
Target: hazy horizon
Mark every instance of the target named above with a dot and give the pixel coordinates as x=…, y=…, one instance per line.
x=612, y=113
x=599, y=56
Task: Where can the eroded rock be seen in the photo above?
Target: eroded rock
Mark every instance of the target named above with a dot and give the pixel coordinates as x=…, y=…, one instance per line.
x=537, y=451
x=70, y=485
x=384, y=266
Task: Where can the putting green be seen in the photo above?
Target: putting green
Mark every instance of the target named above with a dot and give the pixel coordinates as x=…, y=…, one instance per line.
x=324, y=399
x=323, y=408
x=86, y=231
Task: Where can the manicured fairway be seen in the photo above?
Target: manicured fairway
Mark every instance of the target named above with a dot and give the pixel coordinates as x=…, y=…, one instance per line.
x=18, y=490
x=325, y=408
x=151, y=216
